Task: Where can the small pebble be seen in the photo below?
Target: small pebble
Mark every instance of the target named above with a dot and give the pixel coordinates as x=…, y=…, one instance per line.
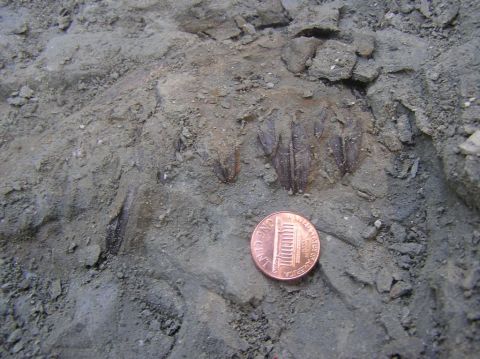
x=17, y=347
x=400, y=289
x=15, y=336
x=24, y=284
x=307, y=94
x=22, y=29
x=72, y=247
x=26, y=92
x=55, y=289
x=370, y=232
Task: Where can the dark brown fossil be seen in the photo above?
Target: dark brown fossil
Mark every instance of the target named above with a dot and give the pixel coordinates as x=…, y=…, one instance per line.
x=227, y=169
x=267, y=135
x=282, y=163
x=336, y=146
x=117, y=226
x=346, y=148
x=301, y=157
x=352, y=144
x=289, y=153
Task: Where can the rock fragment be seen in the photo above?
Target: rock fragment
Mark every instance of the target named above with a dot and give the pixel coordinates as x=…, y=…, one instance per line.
x=21, y=29
x=318, y=20
x=293, y=6
x=270, y=176
x=399, y=232
x=55, y=289
x=472, y=145
x=396, y=51
x=400, y=289
x=17, y=348
x=270, y=13
x=370, y=233
x=21, y=97
x=24, y=284
x=364, y=43
x=412, y=249
x=404, y=128
x=215, y=24
x=441, y=12
x=391, y=141
x=15, y=336
x=393, y=326
x=359, y=274
x=472, y=278
x=224, y=31
x=89, y=255
x=245, y=26
x=384, y=280
x=365, y=71
x=26, y=92
x=334, y=61
x=16, y=101
x=296, y=53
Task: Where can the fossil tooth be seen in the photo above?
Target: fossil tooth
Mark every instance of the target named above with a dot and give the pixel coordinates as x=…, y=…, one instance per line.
x=301, y=157
x=289, y=150
x=282, y=163
x=352, y=144
x=267, y=138
x=227, y=169
x=336, y=146
x=267, y=135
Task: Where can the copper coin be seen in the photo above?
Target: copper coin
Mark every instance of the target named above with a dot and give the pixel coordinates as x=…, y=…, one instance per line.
x=285, y=246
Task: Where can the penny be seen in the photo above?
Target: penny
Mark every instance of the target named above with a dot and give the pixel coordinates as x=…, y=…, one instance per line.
x=285, y=246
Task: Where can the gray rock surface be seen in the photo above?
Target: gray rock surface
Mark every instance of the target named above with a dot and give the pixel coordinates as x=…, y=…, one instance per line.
x=365, y=71
x=384, y=280
x=400, y=289
x=319, y=19
x=364, y=42
x=296, y=53
x=334, y=61
x=472, y=145
x=89, y=255
x=408, y=248
x=397, y=51
x=399, y=232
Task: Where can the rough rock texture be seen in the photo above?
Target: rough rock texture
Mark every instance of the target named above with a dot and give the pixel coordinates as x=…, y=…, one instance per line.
x=317, y=20
x=296, y=53
x=365, y=71
x=334, y=61
x=142, y=141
